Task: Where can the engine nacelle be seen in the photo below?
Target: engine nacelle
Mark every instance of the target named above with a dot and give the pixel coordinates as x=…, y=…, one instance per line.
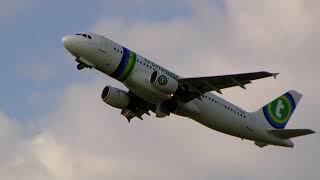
x=164, y=83
x=115, y=97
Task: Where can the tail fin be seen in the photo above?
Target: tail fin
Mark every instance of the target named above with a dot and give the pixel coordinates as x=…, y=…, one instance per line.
x=279, y=111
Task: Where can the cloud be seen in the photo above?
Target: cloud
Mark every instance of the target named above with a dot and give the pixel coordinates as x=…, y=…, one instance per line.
x=247, y=37
x=39, y=71
x=5, y=5
x=9, y=6
x=83, y=138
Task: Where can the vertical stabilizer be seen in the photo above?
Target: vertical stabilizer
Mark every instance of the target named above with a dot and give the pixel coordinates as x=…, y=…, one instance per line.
x=278, y=112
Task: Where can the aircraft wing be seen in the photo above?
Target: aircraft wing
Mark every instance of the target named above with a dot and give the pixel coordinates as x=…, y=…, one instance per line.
x=202, y=85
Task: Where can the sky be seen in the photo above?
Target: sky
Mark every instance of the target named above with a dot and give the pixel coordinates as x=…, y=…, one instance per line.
x=53, y=124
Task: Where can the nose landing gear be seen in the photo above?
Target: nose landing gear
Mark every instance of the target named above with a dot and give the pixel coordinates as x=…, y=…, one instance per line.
x=83, y=63
x=81, y=66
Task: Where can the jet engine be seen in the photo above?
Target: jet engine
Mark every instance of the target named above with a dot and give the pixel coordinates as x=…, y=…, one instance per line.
x=115, y=97
x=164, y=83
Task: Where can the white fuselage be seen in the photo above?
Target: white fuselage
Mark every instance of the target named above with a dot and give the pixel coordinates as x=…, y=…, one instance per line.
x=215, y=112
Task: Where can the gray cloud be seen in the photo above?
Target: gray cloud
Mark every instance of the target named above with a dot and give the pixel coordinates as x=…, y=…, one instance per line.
x=39, y=71
x=7, y=7
x=82, y=138
x=230, y=43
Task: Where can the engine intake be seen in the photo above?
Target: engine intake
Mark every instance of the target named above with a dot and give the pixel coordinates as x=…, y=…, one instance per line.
x=115, y=97
x=164, y=83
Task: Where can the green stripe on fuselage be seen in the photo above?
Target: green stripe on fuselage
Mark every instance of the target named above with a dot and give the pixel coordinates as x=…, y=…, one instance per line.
x=129, y=67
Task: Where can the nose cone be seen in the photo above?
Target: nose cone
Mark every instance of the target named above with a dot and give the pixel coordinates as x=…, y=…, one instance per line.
x=67, y=42
x=80, y=45
x=72, y=44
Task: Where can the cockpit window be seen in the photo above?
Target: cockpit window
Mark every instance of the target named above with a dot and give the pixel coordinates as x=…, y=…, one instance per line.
x=84, y=35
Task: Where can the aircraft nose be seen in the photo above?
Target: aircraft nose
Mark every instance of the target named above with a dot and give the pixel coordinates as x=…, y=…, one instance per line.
x=67, y=42
x=71, y=44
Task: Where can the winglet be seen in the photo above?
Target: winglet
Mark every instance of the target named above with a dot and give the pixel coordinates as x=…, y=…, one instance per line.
x=275, y=75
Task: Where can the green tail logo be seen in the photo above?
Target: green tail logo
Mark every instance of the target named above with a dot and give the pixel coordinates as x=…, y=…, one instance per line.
x=279, y=111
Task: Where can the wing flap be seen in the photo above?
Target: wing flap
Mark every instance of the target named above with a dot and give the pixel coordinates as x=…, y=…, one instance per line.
x=290, y=133
x=260, y=144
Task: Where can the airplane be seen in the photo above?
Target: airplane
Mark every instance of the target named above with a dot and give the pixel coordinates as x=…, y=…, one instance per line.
x=151, y=87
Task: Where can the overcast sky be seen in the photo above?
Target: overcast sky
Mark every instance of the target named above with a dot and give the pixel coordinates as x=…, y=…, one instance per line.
x=53, y=124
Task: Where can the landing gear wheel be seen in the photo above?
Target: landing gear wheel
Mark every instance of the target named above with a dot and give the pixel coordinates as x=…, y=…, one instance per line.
x=80, y=66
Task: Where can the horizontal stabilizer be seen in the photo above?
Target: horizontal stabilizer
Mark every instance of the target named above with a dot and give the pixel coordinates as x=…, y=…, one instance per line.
x=290, y=133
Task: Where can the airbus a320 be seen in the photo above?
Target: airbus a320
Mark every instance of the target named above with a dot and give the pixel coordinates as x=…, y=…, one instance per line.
x=154, y=88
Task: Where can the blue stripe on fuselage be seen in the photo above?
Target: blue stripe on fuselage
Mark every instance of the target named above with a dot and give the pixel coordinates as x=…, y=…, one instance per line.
x=124, y=62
